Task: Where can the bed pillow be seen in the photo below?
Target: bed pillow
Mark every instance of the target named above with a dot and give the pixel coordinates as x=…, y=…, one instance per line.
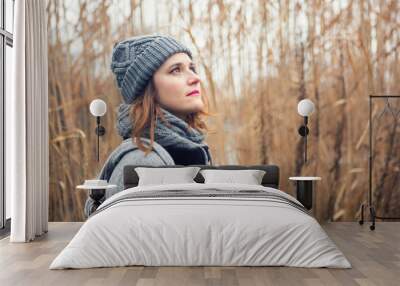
x=162, y=176
x=249, y=177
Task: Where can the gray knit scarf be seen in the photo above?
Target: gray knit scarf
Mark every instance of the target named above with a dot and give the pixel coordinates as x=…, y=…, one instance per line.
x=179, y=133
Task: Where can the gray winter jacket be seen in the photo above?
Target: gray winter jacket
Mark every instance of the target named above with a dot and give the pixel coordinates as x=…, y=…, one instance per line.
x=127, y=153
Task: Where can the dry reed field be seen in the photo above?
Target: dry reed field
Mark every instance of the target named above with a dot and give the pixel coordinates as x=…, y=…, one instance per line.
x=257, y=59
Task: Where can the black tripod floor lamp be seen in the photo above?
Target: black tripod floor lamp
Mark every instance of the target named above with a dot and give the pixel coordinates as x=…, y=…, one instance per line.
x=388, y=108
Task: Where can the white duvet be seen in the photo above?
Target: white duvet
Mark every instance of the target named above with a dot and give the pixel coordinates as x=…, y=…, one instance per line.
x=182, y=231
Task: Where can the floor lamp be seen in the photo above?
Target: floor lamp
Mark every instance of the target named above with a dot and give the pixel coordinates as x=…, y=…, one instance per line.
x=98, y=108
x=305, y=108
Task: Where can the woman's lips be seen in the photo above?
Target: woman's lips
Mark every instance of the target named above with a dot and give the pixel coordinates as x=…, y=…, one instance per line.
x=193, y=93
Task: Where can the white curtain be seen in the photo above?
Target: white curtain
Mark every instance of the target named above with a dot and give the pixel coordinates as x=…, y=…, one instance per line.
x=27, y=167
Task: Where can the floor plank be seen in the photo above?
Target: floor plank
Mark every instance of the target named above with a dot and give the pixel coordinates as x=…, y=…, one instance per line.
x=375, y=257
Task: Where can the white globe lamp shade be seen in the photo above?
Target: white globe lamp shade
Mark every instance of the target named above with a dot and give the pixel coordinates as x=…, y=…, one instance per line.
x=305, y=107
x=98, y=107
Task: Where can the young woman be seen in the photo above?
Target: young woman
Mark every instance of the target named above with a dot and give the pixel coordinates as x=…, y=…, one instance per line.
x=160, y=119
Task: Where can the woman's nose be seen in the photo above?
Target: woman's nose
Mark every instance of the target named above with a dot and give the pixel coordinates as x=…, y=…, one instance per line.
x=193, y=78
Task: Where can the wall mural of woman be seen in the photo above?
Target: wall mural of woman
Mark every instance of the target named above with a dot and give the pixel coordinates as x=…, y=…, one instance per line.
x=256, y=61
x=160, y=119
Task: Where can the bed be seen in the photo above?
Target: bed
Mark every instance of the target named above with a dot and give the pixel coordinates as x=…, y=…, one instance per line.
x=201, y=224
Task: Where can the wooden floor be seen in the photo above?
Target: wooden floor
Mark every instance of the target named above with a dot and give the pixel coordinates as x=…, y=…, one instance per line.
x=375, y=257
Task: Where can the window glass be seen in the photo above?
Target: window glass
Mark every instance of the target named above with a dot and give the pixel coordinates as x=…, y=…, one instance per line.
x=2, y=194
x=9, y=9
x=1, y=13
x=8, y=89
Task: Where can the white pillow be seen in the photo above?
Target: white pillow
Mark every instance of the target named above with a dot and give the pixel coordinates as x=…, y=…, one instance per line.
x=162, y=176
x=249, y=177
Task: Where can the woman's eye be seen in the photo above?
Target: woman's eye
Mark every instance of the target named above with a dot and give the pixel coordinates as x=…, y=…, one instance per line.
x=175, y=70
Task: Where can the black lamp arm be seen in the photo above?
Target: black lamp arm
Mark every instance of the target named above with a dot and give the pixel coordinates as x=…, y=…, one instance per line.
x=100, y=131
x=304, y=131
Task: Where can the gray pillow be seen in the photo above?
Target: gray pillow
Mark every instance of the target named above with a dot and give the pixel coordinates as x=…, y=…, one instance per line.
x=249, y=177
x=162, y=176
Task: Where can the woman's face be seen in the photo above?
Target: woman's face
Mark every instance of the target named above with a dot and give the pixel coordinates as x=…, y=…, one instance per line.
x=178, y=86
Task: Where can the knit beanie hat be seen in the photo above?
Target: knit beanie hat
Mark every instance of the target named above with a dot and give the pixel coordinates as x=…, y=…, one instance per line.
x=135, y=60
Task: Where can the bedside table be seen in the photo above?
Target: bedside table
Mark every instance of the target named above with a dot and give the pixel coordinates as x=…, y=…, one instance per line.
x=96, y=192
x=304, y=190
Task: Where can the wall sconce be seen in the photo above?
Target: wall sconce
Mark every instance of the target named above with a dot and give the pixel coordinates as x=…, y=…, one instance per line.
x=98, y=108
x=305, y=108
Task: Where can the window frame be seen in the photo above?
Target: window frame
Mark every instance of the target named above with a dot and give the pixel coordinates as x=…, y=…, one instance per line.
x=6, y=39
